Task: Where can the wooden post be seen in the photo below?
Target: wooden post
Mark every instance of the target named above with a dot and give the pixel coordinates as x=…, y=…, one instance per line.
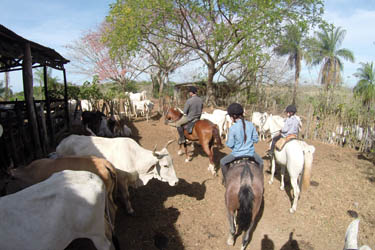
x=50, y=131
x=66, y=101
x=27, y=75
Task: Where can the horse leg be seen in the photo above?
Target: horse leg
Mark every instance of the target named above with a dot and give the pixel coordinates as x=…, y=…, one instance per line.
x=272, y=169
x=296, y=192
x=188, y=157
x=282, y=178
x=209, y=151
x=232, y=231
x=180, y=152
x=246, y=236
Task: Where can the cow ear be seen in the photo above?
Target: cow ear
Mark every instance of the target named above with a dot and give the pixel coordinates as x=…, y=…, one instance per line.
x=154, y=152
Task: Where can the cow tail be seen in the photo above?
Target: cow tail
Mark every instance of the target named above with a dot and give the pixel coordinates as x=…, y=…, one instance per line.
x=216, y=135
x=113, y=193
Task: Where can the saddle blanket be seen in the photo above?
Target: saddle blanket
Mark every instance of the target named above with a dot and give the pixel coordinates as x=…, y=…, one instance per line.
x=282, y=141
x=190, y=125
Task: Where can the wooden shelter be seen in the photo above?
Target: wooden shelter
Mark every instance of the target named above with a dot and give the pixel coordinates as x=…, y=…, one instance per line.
x=30, y=125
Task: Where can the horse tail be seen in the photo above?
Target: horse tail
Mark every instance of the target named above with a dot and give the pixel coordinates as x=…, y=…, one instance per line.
x=245, y=197
x=308, y=159
x=216, y=135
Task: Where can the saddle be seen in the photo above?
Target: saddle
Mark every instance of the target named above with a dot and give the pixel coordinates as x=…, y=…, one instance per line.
x=190, y=125
x=282, y=141
x=241, y=159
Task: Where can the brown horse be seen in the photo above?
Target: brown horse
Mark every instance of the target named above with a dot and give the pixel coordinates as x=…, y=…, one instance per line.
x=244, y=195
x=204, y=131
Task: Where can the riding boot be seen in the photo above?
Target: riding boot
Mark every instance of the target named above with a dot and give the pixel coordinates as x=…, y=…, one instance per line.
x=180, y=130
x=224, y=170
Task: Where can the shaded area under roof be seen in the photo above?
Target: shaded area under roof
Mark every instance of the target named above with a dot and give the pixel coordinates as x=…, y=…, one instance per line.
x=12, y=52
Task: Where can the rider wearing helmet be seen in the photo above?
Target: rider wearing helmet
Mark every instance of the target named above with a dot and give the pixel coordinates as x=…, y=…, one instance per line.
x=241, y=138
x=192, y=111
x=291, y=127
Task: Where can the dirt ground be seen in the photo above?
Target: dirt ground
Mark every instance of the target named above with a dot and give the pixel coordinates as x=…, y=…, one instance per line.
x=192, y=215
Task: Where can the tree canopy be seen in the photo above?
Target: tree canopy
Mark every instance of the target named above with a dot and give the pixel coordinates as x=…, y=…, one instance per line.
x=219, y=32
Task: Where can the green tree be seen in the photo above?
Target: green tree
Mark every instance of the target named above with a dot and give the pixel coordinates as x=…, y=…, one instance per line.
x=2, y=90
x=365, y=87
x=219, y=32
x=325, y=51
x=53, y=84
x=291, y=44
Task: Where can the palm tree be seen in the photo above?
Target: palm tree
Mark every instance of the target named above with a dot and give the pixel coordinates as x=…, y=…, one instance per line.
x=365, y=87
x=292, y=44
x=325, y=50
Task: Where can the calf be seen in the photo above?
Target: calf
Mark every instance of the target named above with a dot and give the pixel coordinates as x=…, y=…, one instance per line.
x=51, y=214
x=143, y=107
x=118, y=126
x=40, y=170
x=97, y=123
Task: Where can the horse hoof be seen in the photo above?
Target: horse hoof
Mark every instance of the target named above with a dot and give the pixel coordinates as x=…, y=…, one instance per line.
x=180, y=153
x=270, y=182
x=282, y=188
x=230, y=241
x=291, y=210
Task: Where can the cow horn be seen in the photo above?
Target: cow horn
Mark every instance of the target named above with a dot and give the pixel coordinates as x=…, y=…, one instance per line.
x=169, y=142
x=154, y=152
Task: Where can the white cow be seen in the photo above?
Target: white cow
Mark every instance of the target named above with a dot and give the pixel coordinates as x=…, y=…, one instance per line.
x=53, y=213
x=127, y=156
x=224, y=118
x=86, y=105
x=221, y=119
x=259, y=119
x=143, y=107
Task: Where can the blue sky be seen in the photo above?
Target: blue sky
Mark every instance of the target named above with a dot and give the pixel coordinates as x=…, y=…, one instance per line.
x=56, y=23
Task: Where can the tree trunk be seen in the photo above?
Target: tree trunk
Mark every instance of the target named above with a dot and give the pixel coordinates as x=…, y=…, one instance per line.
x=161, y=88
x=296, y=78
x=210, y=98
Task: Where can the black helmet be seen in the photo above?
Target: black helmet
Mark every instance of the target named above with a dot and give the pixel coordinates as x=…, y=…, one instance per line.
x=193, y=89
x=291, y=109
x=235, y=109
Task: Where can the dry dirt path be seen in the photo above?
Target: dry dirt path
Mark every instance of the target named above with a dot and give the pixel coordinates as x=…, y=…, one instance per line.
x=192, y=214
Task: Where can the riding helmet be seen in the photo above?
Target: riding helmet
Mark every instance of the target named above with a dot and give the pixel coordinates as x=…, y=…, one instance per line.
x=235, y=109
x=193, y=89
x=291, y=109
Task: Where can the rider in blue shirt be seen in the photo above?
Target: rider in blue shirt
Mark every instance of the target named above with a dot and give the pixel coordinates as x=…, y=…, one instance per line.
x=241, y=138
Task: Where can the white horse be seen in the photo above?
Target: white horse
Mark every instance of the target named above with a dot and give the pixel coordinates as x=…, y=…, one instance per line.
x=297, y=156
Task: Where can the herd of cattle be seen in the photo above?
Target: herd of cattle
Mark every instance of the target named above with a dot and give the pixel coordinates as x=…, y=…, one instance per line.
x=76, y=193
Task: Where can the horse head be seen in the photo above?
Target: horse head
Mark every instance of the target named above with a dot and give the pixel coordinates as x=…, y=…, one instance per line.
x=172, y=115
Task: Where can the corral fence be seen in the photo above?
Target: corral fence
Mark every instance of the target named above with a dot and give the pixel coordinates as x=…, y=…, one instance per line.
x=328, y=127
x=16, y=143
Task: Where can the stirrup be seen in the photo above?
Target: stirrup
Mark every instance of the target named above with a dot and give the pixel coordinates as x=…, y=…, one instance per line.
x=181, y=141
x=269, y=153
